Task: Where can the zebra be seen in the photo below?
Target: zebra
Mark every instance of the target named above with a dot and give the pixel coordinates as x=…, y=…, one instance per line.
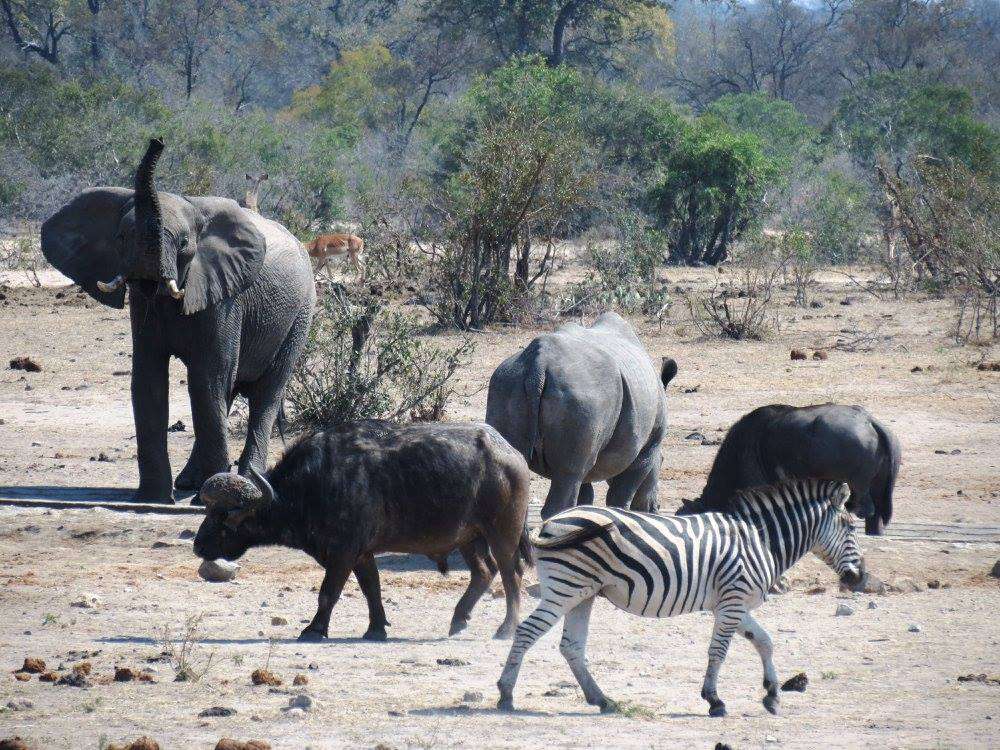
x=661, y=566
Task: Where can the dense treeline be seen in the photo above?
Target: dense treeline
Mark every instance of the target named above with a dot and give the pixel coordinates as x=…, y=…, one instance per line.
x=495, y=127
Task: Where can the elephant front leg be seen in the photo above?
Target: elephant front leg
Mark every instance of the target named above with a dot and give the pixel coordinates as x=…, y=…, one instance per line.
x=209, y=411
x=150, y=408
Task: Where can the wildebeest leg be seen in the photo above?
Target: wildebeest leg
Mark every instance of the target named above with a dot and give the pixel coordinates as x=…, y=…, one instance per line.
x=586, y=496
x=329, y=593
x=366, y=571
x=476, y=555
x=754, y=632
x=563, y=493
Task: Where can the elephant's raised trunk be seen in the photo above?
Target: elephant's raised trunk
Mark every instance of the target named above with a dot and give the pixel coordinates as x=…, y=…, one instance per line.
x=149, y=217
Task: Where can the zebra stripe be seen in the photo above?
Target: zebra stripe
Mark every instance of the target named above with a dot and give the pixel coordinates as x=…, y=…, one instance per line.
x=661, y=566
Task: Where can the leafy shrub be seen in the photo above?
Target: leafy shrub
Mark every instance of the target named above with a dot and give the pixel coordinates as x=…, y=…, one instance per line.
x=365, y=360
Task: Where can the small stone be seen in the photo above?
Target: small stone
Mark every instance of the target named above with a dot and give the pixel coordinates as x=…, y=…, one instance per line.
x=796, y=684
x=916, y=368
x=186, y=534
x=177, y=426
x=872, y=605
x=125, y=674
x=230, y=744
x=817, y=590
x=216, y=711
x=995, y=571
x=914, y=628
x=48, y=677
x=695, y=436
x=26, y=364
x=21, y=704
x=313, y=666
x=815, y=304
x=934, y=583
x=472, y=696
x=820, y=355
x=296, y=712
x=276, y=621
x=264, y=677
x=86, y=601
x=843, y=610
x=14, y=743
x=798, y=354
x=452, y=662
x=22, y=676
x=302, y=701
x=218, y=571
x=300, y=679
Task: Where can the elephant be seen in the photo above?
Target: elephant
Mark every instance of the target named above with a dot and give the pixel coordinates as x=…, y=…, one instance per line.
x=584, y=405
x=228, y=292
x=825, y=441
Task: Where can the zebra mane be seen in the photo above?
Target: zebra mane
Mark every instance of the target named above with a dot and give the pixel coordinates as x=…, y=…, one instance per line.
x=792, y=492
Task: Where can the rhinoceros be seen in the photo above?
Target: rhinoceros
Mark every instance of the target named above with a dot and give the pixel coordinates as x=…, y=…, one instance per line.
x=585, y=405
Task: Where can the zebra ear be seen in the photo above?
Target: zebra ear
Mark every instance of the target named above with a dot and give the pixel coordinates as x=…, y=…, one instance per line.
x=840, y=496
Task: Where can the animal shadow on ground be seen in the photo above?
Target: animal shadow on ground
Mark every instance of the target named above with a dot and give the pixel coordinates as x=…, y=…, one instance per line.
x=77, y=494
x=137, y=640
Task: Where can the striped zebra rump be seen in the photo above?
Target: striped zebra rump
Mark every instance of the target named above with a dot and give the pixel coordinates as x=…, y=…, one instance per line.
x=645, y=564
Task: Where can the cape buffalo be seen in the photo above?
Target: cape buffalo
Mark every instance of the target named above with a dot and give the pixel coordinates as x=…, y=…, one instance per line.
x=826, y=441
x=346, y=495
x=584, y=405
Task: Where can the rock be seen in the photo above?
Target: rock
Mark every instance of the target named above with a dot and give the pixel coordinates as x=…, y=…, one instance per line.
x=14, y=743
x=815, y=304
x=914, y=628
x=934, y=583
x=300, y=679
x=817, y=590
x=472, y=696
x=276, y=620
x=847, y=301
x=695, y=436
x=979, y=678
x=843, y=610
x=143, y=743
x=995, y=571
x=989, y=366
x=215, y=711
x=21, y=704
x=33, y=665
x=125, y=674
x=27, y=364
x=916, y=368
x=22, y=676
x=872, y=605
x=302, y=701
x=871, y=584
x=906, y=586
x=48, y=677
x=798, y=354
x=86, y=601
x=820, y=355
x=451, y=662
x=264, y=677
x=177, y=426
x=796, y=684
x=218, y=571
x=84, y=668
x=229, y=744
x=186, y=534
x=296, y=712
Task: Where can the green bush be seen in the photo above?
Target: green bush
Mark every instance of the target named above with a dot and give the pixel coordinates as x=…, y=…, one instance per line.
x=365, y=360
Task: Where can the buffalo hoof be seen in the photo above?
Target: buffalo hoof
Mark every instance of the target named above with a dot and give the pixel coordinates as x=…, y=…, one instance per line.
x=609, y=706
x=311, y=636
x=504, y=633
x=717, y=709
x=771, y=704
x=457, y=626
x=373, y=634
x=505, y=704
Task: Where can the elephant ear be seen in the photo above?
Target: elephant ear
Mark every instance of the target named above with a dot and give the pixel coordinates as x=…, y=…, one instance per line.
x=81, y=240
x=228, y=257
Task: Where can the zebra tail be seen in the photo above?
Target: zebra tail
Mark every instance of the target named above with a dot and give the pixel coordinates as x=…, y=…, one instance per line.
x=565, y=537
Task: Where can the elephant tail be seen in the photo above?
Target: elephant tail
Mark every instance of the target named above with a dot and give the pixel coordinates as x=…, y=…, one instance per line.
x=891, y=454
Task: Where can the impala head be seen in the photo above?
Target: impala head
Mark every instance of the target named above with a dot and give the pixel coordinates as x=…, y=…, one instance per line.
x=837, y=544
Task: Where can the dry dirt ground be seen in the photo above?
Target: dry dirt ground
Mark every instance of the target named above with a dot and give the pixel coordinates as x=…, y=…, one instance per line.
x=872, y=682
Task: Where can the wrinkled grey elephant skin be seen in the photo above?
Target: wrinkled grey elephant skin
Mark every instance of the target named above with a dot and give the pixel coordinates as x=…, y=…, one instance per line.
x=827, y=441
x=584, y=405
x=225, y=290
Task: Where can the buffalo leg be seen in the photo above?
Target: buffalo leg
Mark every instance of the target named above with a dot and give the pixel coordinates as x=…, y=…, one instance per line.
x=329, y=593
x=505, y=549
x=477, y=556
x=366, y=571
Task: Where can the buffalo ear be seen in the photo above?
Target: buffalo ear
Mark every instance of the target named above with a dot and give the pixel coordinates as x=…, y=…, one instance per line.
x=81, y=240
x=668, y=370
x=228, y=258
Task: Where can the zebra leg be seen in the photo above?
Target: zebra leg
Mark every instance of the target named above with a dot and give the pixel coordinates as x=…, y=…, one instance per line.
x=573, y=647
x=754, y=632
x=726, y=623
x=538, y=623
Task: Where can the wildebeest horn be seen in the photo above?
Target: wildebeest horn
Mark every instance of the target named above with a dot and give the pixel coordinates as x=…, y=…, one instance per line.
x=266, y=490
x=175, y=292
x=110, y=286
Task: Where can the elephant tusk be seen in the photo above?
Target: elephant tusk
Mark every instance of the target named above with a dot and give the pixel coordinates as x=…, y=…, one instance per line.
x=175, y=292
x=111, y=286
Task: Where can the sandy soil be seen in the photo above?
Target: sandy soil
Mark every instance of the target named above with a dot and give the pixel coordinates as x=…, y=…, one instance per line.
x=872, y=681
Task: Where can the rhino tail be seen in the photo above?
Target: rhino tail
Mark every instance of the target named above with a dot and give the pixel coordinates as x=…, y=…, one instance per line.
x=882, y=496
x=534, y=385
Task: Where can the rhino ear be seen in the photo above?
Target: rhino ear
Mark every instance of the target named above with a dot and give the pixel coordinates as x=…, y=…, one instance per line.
x=81, y=240
x=228, y=257
x=668, y=370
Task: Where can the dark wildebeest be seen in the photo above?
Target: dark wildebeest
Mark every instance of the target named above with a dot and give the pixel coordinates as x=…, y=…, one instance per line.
x=585, y=405
x=346, y=495
x=826, y=441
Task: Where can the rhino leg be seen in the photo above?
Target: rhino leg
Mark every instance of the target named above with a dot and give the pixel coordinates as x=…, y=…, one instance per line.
x=586, y=496
x=563, y=494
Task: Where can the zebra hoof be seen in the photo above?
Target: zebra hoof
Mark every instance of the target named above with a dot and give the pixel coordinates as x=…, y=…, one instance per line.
x=717, y=710
x=771, y=704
